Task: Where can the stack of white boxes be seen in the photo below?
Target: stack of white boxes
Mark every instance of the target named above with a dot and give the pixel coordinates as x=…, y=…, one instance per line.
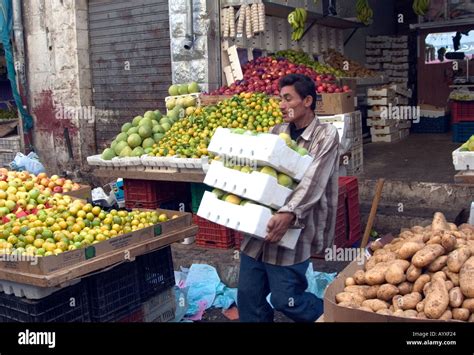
x=349, y=127
x=386, y=118
x=391, y=56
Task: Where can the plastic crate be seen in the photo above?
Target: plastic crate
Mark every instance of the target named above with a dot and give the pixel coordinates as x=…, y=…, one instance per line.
x=197, y=192
x=431, y=125
x=340, y=234
x=462, y=111
x=10, y=144
x=355, y=233
x=213, y=235
x=153, y=192
x=350, y=182
x=135, y=315
x=143, y=205
x=462, y=131
x=113, y=293
x=6, y=159
x=155, y=272
x=238, y=238
x=57, y=307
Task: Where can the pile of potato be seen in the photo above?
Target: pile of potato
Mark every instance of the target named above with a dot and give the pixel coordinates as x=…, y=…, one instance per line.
x=349, y=67
x=426, y=272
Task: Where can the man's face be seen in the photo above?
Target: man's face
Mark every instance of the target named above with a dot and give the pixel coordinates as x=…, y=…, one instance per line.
x=292, y=106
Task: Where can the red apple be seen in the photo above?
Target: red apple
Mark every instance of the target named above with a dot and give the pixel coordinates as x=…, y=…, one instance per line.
x=58, y=189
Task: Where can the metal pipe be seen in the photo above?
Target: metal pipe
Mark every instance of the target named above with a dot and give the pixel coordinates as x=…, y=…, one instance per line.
x=189, y=36
x=19, y=44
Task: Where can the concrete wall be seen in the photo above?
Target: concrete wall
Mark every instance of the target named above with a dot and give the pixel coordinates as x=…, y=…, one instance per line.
x=59, y=92
x=384, y=24
x=199, y=64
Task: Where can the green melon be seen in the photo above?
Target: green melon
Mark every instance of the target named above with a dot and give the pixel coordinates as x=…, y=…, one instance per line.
x=136, y=120
x=137, y=152
x=134, y=140
x=126, y=152
x=158, y=114
x=158, y=129
x=150, y=115
x=108, y=154
x=120, y=145
x=148, y=143
x=158, y=137
x=183, y=89
x=132, y=130
x=121, y=137
x=145, y=131
x=126, y=127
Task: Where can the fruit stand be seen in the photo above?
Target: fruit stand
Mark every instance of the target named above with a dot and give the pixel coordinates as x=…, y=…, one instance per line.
x=56, y=247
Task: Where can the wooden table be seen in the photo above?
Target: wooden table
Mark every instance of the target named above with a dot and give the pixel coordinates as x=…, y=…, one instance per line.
x=79, y=270
x=184, y=175
x=464, y=177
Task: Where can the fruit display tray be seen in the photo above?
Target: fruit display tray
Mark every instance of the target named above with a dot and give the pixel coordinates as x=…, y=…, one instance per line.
x=114, y=162
x=264, y=149
x=463, y=160
x=29, y=291
x=256, y=186
x=250, y=218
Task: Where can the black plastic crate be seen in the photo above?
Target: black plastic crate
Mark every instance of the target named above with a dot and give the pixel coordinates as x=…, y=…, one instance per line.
x=113, y=293
x=67, y=305
x=431, y=125
x=155, y=272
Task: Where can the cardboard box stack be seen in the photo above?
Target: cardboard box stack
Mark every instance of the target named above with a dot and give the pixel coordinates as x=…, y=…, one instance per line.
x=394, y=57
x=349, y=126
x=389, y=116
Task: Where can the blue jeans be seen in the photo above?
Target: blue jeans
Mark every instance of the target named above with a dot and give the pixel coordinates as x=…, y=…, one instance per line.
x=287, y=285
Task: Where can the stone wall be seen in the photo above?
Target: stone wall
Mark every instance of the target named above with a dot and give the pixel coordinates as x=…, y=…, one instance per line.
x=199, y=64
x=59, y=82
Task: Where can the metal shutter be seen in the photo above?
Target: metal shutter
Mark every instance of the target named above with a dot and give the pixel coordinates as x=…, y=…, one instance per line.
x=134, y=33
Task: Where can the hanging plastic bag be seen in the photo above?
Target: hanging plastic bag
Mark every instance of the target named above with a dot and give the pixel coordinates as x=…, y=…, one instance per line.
x=30, y=163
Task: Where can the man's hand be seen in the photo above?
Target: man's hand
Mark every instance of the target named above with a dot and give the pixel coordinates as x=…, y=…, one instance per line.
x=278, y=225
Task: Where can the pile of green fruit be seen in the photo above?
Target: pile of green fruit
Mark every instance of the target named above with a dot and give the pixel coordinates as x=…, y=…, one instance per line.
x=190, y=136
x=140, y=136
x=283, y=179
x=184, y=89
x=298, y=57
x=468, y=146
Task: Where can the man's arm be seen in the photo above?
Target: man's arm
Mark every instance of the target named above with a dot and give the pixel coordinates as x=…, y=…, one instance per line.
x=314, y=182
x=309, y=190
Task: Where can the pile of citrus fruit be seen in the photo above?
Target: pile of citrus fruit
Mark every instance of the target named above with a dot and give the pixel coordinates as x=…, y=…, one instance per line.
x=67, y=225
x=190, y=136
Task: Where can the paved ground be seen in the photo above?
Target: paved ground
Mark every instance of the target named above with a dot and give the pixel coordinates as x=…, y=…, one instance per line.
x=420, y=157
x=226, y=263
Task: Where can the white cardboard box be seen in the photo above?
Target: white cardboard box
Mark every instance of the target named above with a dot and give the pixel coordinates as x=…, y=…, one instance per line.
x=463, y=160
x=250, y=218
x=378, y=130
x=387, y=138
x=256, y=186
x=264, y=149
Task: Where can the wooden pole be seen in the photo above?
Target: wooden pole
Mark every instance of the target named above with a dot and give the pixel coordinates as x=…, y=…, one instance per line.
x=373, y=212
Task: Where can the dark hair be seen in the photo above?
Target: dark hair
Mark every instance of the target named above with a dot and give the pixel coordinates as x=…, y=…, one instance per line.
x=303, y=84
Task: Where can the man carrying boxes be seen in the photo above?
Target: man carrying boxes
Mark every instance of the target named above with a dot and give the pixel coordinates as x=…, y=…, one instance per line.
x=268, y=268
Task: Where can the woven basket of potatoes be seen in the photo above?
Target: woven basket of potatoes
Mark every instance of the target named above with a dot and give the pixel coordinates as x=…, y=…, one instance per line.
x=426, y=272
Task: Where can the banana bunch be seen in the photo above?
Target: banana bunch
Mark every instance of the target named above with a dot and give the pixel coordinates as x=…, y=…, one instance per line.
x=421, y=7
x=297, y=20
x=364, y=12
